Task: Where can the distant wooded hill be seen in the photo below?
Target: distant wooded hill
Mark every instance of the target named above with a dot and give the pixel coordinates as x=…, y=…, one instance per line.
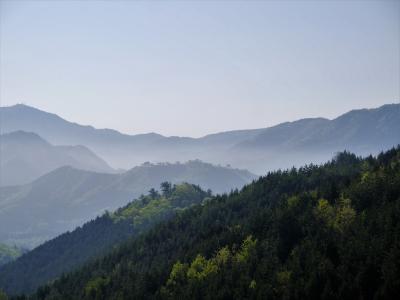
x=67, y=197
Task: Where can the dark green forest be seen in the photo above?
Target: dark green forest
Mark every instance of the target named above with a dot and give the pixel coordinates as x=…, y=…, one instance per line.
x=317, y=232
x=95, y=238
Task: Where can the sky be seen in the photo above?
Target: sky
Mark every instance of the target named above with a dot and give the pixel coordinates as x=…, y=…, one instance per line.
x=191, y=68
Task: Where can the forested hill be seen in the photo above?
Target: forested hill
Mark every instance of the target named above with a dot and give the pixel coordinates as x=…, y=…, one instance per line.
x=67, y=197
x=71, y=249
x=318, y=232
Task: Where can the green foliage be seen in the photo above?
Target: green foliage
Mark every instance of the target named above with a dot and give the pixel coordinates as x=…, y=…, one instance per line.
x=339, y=217
x=247, y=250
x=203, y=272
x=318, y=232
x=154, y=205
x=201, y=268
x=178, y=274
x=94, y=288
x=144, y=210
x=345, y=215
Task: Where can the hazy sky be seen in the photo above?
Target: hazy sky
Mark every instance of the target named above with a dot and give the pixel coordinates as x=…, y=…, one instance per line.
x=192, y=68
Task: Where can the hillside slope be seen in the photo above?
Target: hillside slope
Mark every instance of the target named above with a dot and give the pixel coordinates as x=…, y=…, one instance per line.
x=69, y=250
x=328, y=232
x=68, y=197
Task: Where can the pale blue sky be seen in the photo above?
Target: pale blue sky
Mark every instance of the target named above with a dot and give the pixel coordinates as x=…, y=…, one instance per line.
x=192, y=68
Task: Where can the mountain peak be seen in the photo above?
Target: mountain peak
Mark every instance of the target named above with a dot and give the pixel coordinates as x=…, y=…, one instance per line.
x=23, y=107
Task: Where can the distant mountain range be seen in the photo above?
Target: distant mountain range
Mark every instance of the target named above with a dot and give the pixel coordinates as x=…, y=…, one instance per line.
x=67, y=185
x=34, y=142
x=67, y=197
x=314, y=140
x=26, y=156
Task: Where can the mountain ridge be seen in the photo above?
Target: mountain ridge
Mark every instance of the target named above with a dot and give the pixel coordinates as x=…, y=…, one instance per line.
x=258, y=150
x=21, y=106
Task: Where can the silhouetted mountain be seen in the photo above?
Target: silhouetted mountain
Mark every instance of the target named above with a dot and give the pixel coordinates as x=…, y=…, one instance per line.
x=67, y=197
x=294, y=143
x=26, y=156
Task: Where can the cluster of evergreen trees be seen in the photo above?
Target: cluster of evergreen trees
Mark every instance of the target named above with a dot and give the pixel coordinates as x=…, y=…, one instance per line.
x=318, y=232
